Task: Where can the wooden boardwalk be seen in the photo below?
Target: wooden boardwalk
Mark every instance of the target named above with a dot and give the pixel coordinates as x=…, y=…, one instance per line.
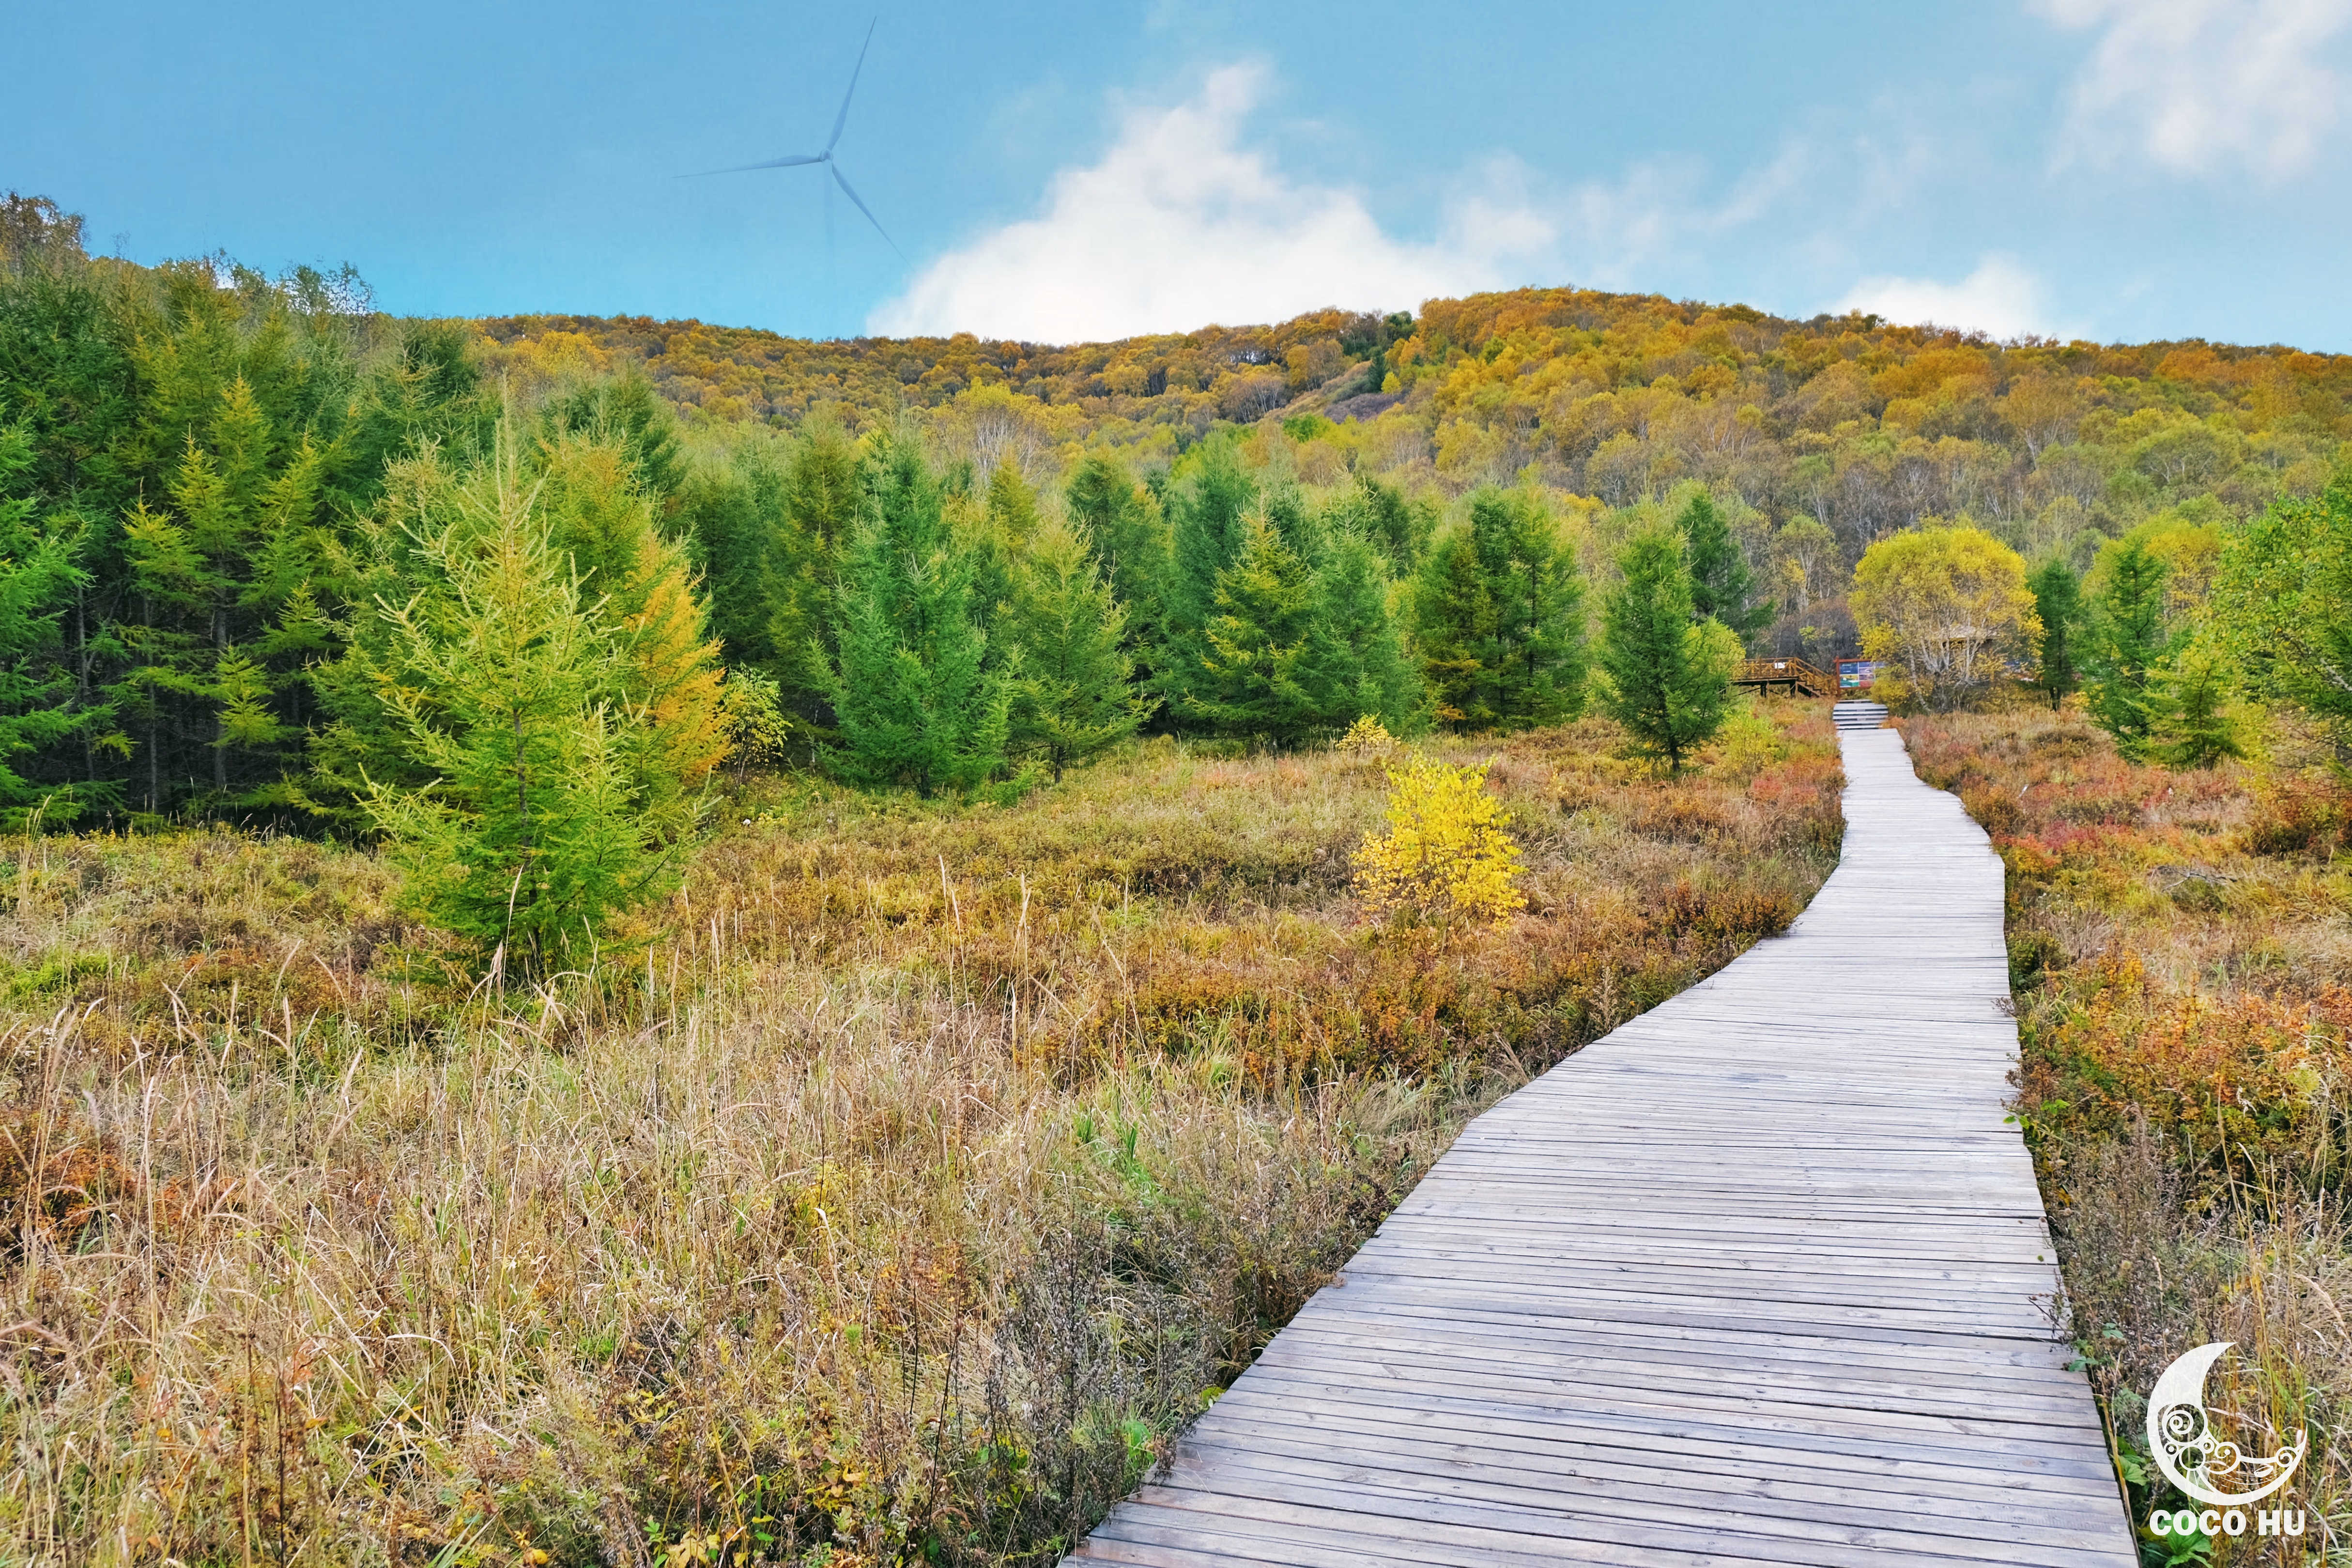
x=1761, y=1278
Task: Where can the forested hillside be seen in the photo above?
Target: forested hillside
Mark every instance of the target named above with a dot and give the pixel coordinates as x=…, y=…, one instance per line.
x=1862, y=426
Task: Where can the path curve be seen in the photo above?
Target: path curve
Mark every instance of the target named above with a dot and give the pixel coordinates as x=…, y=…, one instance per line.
x=1759, y=1278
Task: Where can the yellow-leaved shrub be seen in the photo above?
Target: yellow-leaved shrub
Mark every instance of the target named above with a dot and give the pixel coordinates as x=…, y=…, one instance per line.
x=1368, y=737
x=1444, y=855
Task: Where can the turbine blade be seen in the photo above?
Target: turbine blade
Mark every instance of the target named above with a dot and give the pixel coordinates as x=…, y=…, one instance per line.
x=770, y=164
x=868, y=211
x=843, y=118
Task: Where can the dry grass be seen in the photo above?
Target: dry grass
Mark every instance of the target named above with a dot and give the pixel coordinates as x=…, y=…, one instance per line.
x=2181, y=951
x=923, y=1171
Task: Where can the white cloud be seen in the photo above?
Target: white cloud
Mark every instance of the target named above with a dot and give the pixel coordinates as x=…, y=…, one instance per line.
x=2203, y=86
x=1179, y=226
x=1999, y=299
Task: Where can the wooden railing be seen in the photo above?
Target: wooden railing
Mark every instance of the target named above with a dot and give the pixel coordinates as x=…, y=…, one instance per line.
x=1793, y=675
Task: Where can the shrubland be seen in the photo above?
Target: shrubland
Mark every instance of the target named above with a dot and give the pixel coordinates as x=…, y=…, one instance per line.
x=918, y=1172
x=2180, y=945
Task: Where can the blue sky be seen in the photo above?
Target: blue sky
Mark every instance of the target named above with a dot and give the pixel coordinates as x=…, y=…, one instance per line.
x=2118, y=169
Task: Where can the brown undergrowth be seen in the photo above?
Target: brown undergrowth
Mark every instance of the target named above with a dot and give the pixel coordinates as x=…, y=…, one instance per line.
x=926, y=1170
x=2181, y=947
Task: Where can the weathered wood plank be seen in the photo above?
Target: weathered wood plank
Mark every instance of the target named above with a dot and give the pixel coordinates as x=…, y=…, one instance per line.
x=1761, y=1278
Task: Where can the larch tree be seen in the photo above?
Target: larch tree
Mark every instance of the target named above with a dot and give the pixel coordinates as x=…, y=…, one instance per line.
x=822, y=496
x=1253, y=678
x=2058, y=605
x=1125, y=529
x=1665, y=676
x=1721, y=583
x=1453, y=627
x=1209, y=511
x=1357, y=663
x=917, y=699
x=1499, y=612
x=1535, y=661
x=537, y=755
x=38, y=574
x=2128, y=644
x=1073, y=694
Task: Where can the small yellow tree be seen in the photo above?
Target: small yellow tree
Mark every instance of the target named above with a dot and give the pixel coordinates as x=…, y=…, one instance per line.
x=1445, y=855
x=1368, y=738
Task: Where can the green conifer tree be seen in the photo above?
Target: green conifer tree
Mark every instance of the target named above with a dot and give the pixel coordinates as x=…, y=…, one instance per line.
x=523, y=814
x=2058, y=603
x=1453, y=627
x=822, y=496
x=1208, y=513
x=2193, y=724
x=1075, y=693
x=1535, y=661
x=916, y=697
x=1499, y=613
x=1253, y=678
x=1721, y=583
x=39, y=576
x=1666, y=677
x=2129, y=645
x=1356, y=660
x=1123, y=526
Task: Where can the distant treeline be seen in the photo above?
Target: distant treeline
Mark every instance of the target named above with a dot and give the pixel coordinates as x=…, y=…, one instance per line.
x=1854, y=426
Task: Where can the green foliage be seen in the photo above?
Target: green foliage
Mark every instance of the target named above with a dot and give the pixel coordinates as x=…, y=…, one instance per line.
x=916, y=700
x=1207, y=511
x=1499, y=614
x=1254, y=675
x=2284, y=603
x=2128, y=642
x=1357, y=661
x=1073, y=696
x=1666, y=678
x=2058, y=605
x=1398, y=525
x=2195, y=723
x=207, y=438
x=631, y=584
x=541, y=814
x=38, y=574
x=624, y=413
x=1721, y=583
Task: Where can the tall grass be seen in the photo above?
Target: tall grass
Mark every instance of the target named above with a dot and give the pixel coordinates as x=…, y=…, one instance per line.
x=893, y=1196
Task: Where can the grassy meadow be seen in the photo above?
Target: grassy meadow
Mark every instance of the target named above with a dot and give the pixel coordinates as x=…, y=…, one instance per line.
x=2179, y=943
x=892, y=1192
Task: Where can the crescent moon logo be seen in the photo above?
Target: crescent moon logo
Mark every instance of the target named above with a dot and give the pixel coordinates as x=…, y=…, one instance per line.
x=2193, y=1455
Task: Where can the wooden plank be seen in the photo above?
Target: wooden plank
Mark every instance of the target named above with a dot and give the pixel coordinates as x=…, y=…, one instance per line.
x=1762, y=1276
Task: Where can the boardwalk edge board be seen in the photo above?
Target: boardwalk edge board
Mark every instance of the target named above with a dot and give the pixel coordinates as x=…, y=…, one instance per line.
x=1762, y=1276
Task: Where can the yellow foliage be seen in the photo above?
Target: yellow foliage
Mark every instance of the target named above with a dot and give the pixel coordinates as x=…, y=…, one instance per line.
x=1445, y=855
x=1748, y=743
x=1944, y=605
x=1368, y=737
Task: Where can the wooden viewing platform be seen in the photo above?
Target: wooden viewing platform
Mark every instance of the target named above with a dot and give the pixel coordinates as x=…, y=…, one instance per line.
x=1759, y=1278
x=1793, y=676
